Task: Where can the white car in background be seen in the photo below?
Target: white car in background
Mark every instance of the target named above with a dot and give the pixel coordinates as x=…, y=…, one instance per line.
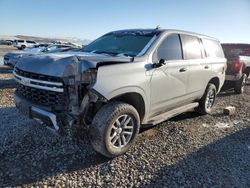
x=22, y=44
x=38, y=47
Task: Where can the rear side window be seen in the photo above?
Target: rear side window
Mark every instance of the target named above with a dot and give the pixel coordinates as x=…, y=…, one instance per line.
x=20, y=41
x=170, y=48
x=31, y=42
x=191, y=47
x=213, y=48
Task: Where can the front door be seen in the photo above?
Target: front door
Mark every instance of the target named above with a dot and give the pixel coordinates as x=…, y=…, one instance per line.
x=169, y=82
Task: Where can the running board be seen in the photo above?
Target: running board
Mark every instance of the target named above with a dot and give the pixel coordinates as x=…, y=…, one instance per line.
x=169, y=114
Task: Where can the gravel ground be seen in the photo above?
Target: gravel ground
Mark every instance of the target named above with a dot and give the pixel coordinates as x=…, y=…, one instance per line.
x=188, y=151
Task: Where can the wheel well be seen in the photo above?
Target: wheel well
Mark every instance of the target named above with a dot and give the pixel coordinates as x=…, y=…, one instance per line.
x=247, y=71
x=133, y=99
x=216, y=82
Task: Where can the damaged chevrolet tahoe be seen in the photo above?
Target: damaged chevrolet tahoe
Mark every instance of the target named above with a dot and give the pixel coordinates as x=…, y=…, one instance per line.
x=120, y=82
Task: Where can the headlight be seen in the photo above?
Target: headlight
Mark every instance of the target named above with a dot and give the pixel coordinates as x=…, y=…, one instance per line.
x=89, y=76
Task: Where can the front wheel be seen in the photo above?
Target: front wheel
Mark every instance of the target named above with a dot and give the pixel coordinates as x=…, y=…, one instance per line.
x=22, y=47
x=114, y=129
x=207, y=101
x=239, y=87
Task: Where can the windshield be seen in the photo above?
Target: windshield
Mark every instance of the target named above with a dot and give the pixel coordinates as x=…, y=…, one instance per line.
x=129, y=43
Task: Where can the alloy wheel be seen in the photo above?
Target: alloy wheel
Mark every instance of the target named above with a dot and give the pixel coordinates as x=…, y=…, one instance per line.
x=122, y=131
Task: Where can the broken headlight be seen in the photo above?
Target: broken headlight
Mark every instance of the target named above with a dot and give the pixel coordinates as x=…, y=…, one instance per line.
x=89, y=76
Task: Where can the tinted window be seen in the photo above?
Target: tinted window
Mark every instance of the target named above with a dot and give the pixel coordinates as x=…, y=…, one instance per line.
x=20, y=41
x=170, y=48
x=191, y=46
x=235, y=50
x=213, y=48
x=32, y=42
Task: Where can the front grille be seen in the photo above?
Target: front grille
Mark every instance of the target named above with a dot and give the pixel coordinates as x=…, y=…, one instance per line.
x=43, y=97
x=37, y=76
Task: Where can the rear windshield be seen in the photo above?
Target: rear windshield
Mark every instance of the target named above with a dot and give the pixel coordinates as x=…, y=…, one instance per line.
x=129, y=43
x=235, y=50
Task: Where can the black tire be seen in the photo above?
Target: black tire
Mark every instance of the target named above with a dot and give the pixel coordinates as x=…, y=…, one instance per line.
x=103, y=126
x=204, y=107
x=23, y=47
x=239, y=87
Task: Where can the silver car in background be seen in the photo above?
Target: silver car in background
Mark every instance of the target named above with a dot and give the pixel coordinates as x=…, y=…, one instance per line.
x=12, y=58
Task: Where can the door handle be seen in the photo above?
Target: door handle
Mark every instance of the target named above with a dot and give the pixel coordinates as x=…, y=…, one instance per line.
x=206, y=67
x=183, y=69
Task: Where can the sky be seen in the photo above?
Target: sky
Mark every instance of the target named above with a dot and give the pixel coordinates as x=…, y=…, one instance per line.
x=227, y=20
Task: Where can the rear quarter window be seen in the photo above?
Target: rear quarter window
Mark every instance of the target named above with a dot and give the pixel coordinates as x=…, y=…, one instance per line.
x=213, y=48
x=191, y=47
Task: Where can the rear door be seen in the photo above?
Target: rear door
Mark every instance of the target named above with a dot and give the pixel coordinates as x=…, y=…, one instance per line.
x=199, y=68
x=169, y=82
x=30, y=43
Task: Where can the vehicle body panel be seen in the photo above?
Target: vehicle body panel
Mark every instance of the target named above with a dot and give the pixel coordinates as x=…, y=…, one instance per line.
x=166, y=77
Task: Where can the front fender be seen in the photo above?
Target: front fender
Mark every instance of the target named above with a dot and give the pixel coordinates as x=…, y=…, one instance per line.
x=124, y=90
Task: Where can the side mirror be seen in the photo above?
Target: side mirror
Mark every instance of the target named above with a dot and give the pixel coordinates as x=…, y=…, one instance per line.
x=159, y=64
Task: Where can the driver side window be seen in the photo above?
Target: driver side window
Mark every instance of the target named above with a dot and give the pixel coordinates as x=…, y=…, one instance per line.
x=170, y=48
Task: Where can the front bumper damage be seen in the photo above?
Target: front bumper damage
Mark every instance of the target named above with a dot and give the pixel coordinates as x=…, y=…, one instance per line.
x=59, y=92
x=56, y=120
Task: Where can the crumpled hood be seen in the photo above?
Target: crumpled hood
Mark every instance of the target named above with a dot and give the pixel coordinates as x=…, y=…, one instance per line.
x=66, y=64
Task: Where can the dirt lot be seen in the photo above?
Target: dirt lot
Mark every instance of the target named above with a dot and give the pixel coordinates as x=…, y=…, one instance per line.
x=5, y=48
x=186, y=151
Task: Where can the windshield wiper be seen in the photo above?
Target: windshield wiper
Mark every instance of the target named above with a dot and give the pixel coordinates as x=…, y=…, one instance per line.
x=110, y=53
x=104, y=52
x=125, y=54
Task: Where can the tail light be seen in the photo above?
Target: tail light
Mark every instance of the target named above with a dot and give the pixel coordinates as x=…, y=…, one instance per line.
x=237, y=66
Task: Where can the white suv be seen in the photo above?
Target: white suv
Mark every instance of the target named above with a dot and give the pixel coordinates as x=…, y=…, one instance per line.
x=21, y=44
x=120, y=82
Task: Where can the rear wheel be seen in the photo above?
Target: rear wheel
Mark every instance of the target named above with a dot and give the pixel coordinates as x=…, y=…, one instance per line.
x=207, y=101
x=114, y=129
x=239, y=87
